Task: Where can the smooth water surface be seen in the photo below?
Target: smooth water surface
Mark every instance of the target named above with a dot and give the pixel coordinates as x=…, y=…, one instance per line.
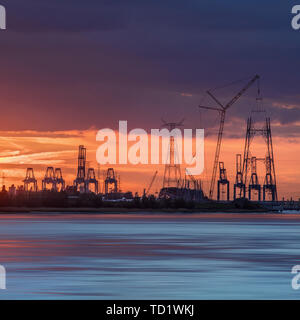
x=147, y=256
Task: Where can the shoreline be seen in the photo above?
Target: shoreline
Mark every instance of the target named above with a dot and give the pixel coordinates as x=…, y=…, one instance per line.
x=110, y=210
x=163, y=215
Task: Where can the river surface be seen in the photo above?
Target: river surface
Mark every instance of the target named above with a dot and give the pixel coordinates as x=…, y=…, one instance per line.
x=147, y=256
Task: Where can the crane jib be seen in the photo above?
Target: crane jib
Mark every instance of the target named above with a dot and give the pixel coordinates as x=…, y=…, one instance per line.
x=221, y=128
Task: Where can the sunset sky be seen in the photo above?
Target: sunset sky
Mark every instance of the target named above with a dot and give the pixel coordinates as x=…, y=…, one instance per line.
x=70, y=68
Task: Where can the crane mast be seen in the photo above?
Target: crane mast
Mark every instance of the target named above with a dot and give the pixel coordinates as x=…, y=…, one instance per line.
x=222, y=110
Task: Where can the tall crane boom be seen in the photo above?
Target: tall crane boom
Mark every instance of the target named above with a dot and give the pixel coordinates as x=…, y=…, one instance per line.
x=222, y=110
x=151, y=183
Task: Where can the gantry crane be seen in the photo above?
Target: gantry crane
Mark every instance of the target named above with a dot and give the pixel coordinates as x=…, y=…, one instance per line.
x=222, y=110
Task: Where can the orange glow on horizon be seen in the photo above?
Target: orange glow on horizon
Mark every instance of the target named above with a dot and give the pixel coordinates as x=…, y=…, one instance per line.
x=22, y=149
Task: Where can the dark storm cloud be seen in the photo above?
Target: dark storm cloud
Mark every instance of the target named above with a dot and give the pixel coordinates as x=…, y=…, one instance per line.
x=205, y=15
x=66, y=15
x=142, y=60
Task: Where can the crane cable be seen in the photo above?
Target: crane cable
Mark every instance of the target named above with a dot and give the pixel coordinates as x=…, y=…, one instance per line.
x=230, y=84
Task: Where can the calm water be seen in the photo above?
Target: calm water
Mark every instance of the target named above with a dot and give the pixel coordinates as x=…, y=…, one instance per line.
x=51, y=256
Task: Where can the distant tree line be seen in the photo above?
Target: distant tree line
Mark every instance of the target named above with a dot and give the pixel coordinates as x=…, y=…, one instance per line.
x=50, y=199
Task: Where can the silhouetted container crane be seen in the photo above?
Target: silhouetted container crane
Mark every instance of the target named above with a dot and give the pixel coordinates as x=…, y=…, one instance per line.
x=111, y=181
x=30, y=182
x=79, y=182
x=49, y=179
x=223, y=181
x=239, y=188
x=91, y=180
